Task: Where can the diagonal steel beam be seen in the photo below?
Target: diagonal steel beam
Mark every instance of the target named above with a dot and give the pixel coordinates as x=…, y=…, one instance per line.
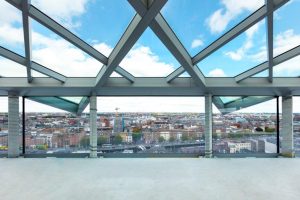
x=269, y=26
x=125, y=74
x=236, y=31
x=35, y=66
x=27, y=37
x=180, y=70
x=135, y=29
x=264, y=66
x=48, y=22
x=164, y=32
x=83, y=104
x=61, y=31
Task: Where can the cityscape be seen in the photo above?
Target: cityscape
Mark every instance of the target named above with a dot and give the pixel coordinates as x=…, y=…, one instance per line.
x=235, y=133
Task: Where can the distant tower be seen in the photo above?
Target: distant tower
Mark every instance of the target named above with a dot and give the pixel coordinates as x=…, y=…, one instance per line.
x=118, y=123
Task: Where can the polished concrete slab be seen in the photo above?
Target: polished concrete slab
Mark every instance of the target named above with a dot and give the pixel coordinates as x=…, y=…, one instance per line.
x=150, y=178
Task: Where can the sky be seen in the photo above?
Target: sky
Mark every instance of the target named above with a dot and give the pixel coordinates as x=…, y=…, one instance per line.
x=197, y=24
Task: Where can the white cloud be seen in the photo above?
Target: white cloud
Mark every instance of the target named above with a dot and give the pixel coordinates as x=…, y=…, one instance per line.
x=11, y=35
x=217, y=73
x=288, y=68
x=283, y=42
x=11, y=69
x=9, y=14
x=63, y=11
x=141, y=61
x=219, y=20
x=103, y=48
x=197, y=43
x=240, y=53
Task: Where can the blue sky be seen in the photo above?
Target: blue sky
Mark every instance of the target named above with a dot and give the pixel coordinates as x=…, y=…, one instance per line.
x=101, y=23
x=197, y=24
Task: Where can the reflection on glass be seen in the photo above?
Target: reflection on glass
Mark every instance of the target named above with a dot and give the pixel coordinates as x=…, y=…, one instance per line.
x=3, y=125
x=54, y=131
x=296, y=127
x=249, y=129
x=151, y=125
x=151, y=133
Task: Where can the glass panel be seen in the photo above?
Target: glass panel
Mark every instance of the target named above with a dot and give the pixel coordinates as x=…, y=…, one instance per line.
x=61, y=56
x=73, y=99
x=149, y=58
x=248, y=130
x=54, y=131
x=286, y=27
x=96, y=22
x=9, y=68
x=3, y=125
x=11, y=28
x=69, y=104
x=146, y=125
x=296, y=113
x=242, y=53
x=229, y=99
x=289, y=68
x=206, y=20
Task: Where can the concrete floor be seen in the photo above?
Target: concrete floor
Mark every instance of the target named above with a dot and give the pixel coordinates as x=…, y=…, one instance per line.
x=143, y=179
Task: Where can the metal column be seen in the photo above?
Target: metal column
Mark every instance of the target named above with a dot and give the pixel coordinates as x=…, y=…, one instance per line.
x=208, y=125
x=93, y=127
x=287, y=143
x=13, y=126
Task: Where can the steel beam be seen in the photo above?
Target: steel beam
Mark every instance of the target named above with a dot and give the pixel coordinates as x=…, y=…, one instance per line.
x=48, y=22
x=151, y=87
x=164, y=32
x=35, y=66
x=180, y=70
x=135, y=29
x=236, y=31
x=83, y=104
x=125, y=74
x=27, y=37
x=269, y=26
x=264, y=66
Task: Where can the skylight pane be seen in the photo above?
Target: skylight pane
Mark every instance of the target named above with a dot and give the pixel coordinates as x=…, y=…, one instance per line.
x=73, y=99
x=100, y=23
x=9, y=68
x=11, y=28
x=289, y=68
x=286, y=27
x=199, y=23
x=242, y=53
x=149, y=58
x=53, y=52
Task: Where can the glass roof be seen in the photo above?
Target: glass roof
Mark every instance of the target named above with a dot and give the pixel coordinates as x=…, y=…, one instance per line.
x=289, y=68
x=149, y=57
x=89, y=19
x=286, y=31
x=70, y=104
x=205, y=20
x=55, y=53
x=196, y=23
x=239, y=103
x=9, y=68
x=11, y=28
x=242, y=53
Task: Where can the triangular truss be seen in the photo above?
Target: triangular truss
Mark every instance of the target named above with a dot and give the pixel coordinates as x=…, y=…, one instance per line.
x=148, y=15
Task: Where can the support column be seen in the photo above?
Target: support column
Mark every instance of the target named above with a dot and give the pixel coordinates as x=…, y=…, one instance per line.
x=208, y=126
x=93, y=127
x=13, y=126
x=287, y=143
